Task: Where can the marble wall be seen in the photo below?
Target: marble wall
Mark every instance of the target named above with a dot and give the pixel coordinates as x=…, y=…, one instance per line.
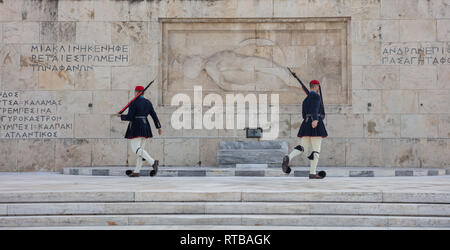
x=67, y=66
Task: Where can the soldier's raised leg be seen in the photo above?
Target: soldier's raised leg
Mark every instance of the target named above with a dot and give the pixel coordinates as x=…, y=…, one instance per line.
x=298, y=150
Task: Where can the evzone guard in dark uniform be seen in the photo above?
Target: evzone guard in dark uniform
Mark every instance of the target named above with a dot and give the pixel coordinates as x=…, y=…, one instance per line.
x=139, y=130
x=311, y=131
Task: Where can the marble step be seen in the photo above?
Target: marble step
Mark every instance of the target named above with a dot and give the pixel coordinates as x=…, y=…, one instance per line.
x=270, y=171
x=297, y=208
x=98, y=196
x=215, y=227
x=231, y=220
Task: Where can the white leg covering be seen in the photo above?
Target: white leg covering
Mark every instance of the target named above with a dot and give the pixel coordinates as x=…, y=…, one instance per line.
x=304, y=143
x=137, y=145
x=316, y=142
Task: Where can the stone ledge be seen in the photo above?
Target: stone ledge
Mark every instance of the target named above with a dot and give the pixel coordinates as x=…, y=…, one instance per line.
x=267, y=172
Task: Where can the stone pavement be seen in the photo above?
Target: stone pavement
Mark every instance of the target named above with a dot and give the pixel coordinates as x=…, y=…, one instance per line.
x=21, y=182
x=51, y=182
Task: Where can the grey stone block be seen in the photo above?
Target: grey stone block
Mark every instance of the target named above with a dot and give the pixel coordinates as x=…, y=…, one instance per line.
x=249, y=173
x=258, y=156
x=251, y=166
x=100, y=172
x=74, y=171
x=243, y=145
x=363, y=173
x=251, y=152
x=433, y=172
x=145, y=172
x=191, y=172
x=301, y=173
x=404, y=173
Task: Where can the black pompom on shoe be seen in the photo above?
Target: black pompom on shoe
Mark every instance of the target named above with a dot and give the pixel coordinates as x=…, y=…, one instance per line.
x=155, y=168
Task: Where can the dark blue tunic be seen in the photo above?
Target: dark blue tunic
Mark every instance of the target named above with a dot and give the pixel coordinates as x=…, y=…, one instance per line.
x=311, y=112
x=139, y=126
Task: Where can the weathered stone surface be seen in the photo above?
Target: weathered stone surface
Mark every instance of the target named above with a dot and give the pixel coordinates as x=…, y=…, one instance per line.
x=332, y=152
x=8, y=153
x=93, y=32
x=208, y=151
x=82, y=10
x=381, y=77
x=382, y=126
x=109, y=102
x=400, y=153
x=110, y=10
x=56, y=80
x=434, y=102
x=57, y=32
x=10, y=10
x=74, y=102
x=417, y=30
x=345, y=125
x=431, y=146
x=444, y=126
x=400, y=102
x=91, y=126
x=129, y=32
x=419, y=126
x=144, y=54
x=366, y=53
x=414, y=77
x=109, y=152
x=255, y=8
x=187, y=152
x=365, y=9
x=97, y=79
x=403, y=9
x=39, y=10
x=21, y=32
x=19, y=78
x=127, y=78
x=375, y=30
x=357, y=77
x=10, y=55
x=366, y=101
x=72, y=152
x=364, y=152
x=36, y=155
x=443, y=77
